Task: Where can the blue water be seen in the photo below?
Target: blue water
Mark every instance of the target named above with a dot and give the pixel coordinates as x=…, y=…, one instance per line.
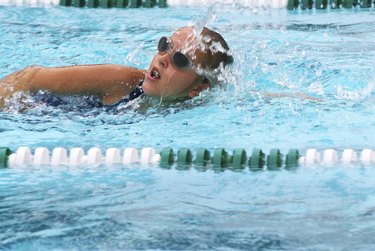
x=327, y=55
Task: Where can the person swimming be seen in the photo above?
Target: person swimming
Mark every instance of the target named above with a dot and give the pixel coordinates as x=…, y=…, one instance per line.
x=185, y=64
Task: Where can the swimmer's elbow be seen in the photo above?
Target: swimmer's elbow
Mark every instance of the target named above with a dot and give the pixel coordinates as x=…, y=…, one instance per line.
x=20, y=80
x=21, y=75
x=31, y=68
x=29, y=72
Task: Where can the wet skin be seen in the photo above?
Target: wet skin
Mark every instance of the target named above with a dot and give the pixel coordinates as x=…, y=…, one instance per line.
x=174, y=82
x=113, y=82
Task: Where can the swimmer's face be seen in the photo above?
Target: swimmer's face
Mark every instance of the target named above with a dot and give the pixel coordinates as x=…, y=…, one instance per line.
x=165, y=79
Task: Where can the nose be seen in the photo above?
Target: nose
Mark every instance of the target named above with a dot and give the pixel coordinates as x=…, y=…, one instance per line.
x=164, y=60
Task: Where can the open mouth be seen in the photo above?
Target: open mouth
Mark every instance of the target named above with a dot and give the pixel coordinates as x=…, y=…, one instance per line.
x=154, y=74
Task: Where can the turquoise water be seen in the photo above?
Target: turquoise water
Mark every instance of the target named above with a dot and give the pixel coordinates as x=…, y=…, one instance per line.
x=325, y=54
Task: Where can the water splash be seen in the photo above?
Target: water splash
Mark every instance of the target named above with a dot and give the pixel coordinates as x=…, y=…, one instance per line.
x=344, y=93
x=133, y=57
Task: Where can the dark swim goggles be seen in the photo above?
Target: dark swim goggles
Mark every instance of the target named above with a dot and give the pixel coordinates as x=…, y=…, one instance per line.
x=180, y=60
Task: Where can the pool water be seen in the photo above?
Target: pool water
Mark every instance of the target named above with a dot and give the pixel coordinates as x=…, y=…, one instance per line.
x=328, y=55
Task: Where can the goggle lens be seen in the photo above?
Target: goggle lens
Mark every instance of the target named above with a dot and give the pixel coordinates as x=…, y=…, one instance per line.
x=164, y=44
x=180, y=60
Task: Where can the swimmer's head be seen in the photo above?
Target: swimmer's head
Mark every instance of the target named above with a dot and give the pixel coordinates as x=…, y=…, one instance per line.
x=186, y=63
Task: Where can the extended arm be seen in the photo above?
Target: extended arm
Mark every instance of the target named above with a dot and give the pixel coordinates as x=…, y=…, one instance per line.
x=109, y=82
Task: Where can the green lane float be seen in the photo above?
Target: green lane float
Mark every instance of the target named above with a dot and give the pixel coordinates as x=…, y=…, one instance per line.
x=274, y=159
x=257, y=160
x=291, y=159
x=335, y=4
x=321, y=4
x=4, y=154
x=135, y=3
x=239, y=158
x=184, y=159
x=306, y=4
x=349, y=3
x=149, y=3
x=66, y=3
x=324, y=4
x=292, y=4
x=79, y=3
x=220, y=158
x=163, y=4
x=203, y=158
x=365, y=4
x=166, y=157
x=93, y=3
x=106, y=4
x=122, y=3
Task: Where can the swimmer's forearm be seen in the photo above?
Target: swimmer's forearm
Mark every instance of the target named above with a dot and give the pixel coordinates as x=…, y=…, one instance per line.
x=74, y=79
x=86, y=79
x=110, y=82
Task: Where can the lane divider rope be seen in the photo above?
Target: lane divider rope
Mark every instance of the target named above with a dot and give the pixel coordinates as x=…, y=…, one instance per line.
x=89, y=3
x=288, y=4
x=183, y=158
x=325, y=4
x=114, y=3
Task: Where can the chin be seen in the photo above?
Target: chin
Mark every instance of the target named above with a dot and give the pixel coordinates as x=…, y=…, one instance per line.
x=149, y=89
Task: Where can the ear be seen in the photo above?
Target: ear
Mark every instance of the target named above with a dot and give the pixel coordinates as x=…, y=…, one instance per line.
x=200, y=87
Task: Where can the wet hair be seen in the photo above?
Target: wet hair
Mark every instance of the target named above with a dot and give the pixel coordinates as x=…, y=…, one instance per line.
x=209, y=52
x=215, y=52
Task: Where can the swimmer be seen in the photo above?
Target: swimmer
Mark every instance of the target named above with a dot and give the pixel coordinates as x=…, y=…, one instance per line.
x=185, y=64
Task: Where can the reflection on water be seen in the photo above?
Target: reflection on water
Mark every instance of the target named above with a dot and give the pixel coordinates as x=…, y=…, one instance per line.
x=120, y=208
